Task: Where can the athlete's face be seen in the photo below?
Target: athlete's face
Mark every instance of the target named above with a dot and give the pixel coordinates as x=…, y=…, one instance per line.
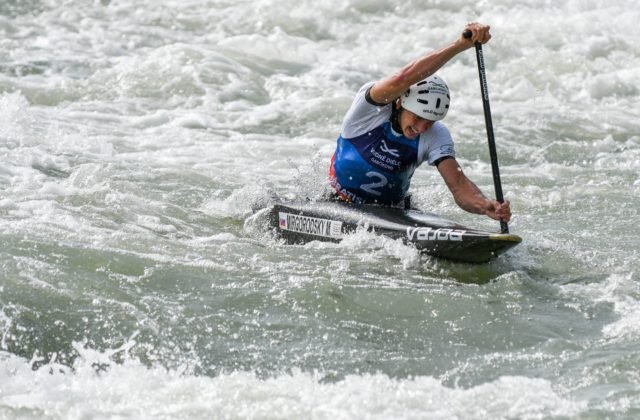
x=412, y=125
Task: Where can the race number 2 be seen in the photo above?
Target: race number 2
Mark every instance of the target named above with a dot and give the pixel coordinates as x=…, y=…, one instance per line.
x=374, y=187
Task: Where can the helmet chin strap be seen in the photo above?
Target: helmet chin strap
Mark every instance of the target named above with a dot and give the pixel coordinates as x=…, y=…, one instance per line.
x=396, y=113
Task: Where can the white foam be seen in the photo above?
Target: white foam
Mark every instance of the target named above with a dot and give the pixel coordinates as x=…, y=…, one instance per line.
x=100, y=388
x=623, y=292
x=14, y=117
x=373, y=247
x=154, y=223
x=240, y=203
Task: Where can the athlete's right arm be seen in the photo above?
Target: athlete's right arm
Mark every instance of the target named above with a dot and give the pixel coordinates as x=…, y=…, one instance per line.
x=390, y=88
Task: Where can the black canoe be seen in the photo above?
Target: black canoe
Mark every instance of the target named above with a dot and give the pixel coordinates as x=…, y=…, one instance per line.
x=303, y=222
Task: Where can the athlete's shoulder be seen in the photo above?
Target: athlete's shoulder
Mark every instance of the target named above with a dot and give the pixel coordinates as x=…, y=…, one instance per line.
x=438, y=133
x=363, y=116
x=440, y=128
x=364, y=88
x=363, y=97
x=435, y=143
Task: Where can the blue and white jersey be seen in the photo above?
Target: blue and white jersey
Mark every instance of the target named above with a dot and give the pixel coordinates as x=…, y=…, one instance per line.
x=373, y=163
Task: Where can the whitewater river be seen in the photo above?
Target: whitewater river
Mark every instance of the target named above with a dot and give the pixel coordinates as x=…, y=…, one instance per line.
x=138, y=138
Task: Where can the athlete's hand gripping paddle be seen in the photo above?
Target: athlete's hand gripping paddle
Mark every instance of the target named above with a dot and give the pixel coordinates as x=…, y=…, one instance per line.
x=487, y=119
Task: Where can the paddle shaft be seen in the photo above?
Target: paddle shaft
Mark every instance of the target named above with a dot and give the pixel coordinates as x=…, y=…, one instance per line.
x=504, y=227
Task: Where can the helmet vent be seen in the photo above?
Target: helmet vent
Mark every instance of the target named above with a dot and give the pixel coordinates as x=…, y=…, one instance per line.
x=428, y=99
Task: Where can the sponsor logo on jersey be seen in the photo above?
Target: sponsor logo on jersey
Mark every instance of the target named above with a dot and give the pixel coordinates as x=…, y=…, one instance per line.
x=430, y=234
x=386, y=149
x=310, y=225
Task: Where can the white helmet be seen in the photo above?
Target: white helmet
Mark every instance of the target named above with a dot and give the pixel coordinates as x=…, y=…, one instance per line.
x=428, y=99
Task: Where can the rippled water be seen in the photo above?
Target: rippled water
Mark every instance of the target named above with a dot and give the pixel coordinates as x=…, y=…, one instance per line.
x=137, y=138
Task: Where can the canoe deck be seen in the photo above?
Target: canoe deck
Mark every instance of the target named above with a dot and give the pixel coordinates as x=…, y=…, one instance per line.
x=302, y=222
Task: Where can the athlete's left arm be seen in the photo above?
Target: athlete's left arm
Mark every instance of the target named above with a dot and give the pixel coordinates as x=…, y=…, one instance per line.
x=467, y=194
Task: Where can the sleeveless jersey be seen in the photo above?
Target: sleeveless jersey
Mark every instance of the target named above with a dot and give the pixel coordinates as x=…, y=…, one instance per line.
x=372, y=162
